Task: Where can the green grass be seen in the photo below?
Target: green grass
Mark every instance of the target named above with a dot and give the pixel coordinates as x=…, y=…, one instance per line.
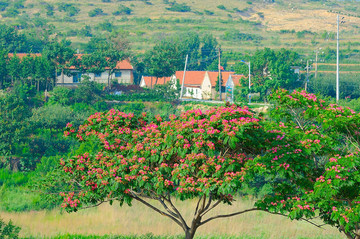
x=151, y=236
x=238, y=15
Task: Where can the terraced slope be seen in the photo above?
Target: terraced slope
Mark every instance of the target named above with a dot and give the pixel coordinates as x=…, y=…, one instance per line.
x=239, y=25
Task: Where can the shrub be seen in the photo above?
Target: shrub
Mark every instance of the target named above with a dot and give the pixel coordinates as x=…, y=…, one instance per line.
x=85, y=31
x=69, y=8
x=177, y=7
x=222, y=7
x=11, y=12
x=123, y=10
x=105, y=26
x=3, y=5
x=96, y=12
x=235, y=35
x=60, y=95
x=207, y=12
x=8, y=230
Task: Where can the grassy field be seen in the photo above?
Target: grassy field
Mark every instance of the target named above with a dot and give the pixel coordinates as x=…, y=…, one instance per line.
x=139, y=220
x=280, y=24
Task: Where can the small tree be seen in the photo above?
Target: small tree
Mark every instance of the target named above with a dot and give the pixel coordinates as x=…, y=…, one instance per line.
x=197, y=155
x=3, y=68
x=61, y=55
x=8, y=230
x=108, y=52
x=308, y=150
x=313, y=161
x=164, y=59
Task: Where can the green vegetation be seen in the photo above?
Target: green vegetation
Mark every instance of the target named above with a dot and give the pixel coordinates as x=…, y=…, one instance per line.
x=57, y=18
x=8, y=230
x=34, y=112
x=150, y=236
x=299, y=155
x=96, y=12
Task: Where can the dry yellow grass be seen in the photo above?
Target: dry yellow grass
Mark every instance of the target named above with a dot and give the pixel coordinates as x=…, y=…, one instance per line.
x=139, y=219
x=297, y=14
x=300, y=20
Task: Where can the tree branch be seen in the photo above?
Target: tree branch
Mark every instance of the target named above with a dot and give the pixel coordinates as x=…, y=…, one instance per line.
x=134, y=196
x=166, y=207
x=213, y=206
x=228, y=215
x=197, y=205
x=302, y=219
x=209, y=203
x=177, y=212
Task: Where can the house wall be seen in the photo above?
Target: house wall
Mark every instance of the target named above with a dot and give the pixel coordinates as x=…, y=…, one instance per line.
x=125, y=78
x=206, y=87
x=192, y=92
x=142, y=83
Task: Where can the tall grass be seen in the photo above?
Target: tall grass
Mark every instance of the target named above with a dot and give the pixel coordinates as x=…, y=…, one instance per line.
x=140, y=220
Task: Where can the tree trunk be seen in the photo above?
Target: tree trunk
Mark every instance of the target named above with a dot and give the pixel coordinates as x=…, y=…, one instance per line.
x=190, y=233
x=109, y=77
x=62, y=77
x=46, y=84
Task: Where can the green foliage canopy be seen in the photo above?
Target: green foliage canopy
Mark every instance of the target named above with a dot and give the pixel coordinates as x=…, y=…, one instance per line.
x=308, y=153
x=271, y=69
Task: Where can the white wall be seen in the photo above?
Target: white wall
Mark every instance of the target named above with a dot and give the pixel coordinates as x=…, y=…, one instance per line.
x=192, y=92
x=126, y=77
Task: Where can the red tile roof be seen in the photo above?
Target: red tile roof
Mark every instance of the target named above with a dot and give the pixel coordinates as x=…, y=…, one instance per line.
x=236, y=79
x=22, y=55
x=192, y=78
x=160, y=80
x=121, y=65
x=224, y=77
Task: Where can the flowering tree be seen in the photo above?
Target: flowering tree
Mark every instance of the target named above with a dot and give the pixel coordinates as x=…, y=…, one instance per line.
x=315, y=154
x=196, y=155
x=308, y=150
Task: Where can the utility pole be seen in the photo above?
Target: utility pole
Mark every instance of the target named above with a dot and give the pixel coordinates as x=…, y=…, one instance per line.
x=316, y=60
x=307, y=74
x=219, y=75
x=337, y=60
x=249, y=76
x=249, y=65
x=182, y=84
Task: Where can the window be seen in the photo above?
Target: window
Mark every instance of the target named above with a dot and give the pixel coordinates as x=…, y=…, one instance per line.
x=76, y=77
x=98, y=74
x=118, y=74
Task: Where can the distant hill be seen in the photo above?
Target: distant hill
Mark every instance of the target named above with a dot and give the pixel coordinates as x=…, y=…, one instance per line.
x=239, y=26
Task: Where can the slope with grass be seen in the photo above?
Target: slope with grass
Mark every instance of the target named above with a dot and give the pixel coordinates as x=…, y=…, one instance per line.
x=238, y=25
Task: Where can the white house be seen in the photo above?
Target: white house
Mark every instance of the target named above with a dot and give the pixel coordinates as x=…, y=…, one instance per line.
x=194, y=85
x=123, y=73
x=201, y=84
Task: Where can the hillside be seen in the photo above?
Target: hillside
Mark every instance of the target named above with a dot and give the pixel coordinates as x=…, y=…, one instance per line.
x=239, y=25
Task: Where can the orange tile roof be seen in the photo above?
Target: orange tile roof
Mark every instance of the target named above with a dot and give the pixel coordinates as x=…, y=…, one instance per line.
x=236, y=79
x=192, y=78
x=224, y=77
x=22, y=55
x=121, y=65
x=160, y=80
